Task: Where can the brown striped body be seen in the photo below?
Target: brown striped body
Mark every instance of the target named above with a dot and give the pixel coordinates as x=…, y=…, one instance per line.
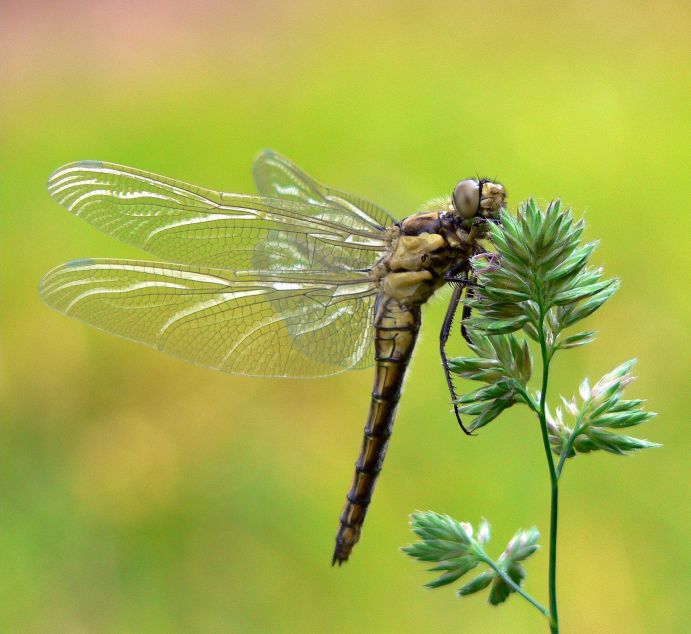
x=395, y=336
x=423, y=248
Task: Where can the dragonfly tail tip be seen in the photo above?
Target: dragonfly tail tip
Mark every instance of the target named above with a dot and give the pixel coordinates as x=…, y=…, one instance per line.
x=339, y=557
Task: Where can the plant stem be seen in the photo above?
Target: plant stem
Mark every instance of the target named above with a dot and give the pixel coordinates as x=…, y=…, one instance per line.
x=554, y=482
x=514, y=586
x=554, y=514
x=530, y=402
x=569, y=444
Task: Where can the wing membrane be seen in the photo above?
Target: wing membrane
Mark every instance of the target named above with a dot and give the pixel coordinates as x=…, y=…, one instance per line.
x=193, y=225
x=277, y=177
x=302, y=324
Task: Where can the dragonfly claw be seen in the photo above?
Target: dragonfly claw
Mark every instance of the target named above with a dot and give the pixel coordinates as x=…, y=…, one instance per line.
x=460, y=422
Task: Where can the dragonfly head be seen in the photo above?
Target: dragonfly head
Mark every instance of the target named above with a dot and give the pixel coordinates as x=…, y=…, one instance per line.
x=478, y=198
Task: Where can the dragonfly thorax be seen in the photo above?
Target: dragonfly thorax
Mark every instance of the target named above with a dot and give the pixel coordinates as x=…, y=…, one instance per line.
x=423, y=248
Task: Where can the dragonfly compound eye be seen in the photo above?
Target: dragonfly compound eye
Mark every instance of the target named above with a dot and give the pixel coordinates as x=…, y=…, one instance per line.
x=466, y=198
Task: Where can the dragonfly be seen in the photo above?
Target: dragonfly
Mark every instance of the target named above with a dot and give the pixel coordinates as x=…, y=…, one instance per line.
x=301, y=280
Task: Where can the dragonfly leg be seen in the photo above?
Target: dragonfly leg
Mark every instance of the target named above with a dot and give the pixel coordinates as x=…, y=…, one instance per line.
x=457, y=275
x=467, y=310
x=443, y=338
x=459, y=280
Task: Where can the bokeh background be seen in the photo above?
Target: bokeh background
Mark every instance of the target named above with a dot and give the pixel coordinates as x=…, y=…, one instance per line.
x=141, y=494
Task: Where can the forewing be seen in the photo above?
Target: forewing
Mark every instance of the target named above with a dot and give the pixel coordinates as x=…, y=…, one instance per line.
x=277, y=177
x=252, y=323
x=192, y=225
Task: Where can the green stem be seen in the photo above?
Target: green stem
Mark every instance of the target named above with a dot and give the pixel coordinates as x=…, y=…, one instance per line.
x=569, y=444
x=554, y=514
x=554, y=482
x=514, y=586
x=530, y=402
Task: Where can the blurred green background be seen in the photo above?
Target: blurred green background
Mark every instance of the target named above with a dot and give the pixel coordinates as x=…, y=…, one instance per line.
x=141, y=494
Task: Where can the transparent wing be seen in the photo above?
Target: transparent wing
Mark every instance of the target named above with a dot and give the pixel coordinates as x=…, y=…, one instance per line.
x=277, y=177
x=297, y=325
x=193, y=225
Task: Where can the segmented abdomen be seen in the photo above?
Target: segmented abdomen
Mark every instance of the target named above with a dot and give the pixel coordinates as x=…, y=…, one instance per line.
x=395, y=335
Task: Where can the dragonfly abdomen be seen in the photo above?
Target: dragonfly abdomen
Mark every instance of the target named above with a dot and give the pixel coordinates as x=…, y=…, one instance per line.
x=396, y=333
